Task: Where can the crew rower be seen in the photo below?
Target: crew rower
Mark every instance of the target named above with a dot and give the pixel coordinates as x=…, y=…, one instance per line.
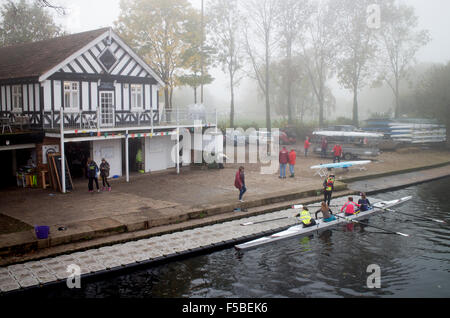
x=350, y=208
x=306, y=218
x=326, y=212
x=365, y=203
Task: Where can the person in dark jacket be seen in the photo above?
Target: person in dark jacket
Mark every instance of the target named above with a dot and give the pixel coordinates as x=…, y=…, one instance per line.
x=104, y=173
x=364, y=202
x=92, y=170
x=239, y=183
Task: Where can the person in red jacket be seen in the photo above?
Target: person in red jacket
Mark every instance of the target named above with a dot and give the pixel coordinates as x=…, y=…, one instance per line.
x=239, y=183
x=350, y=208
x=306, y=146
x=292, y=161
x=337, y=150
x=284, y=160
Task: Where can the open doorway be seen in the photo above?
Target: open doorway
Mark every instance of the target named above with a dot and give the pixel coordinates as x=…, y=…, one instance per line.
x=77, y=154
x=15, y=161
x=136, y=154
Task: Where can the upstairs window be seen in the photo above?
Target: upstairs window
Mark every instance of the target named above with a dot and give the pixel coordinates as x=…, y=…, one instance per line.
x=71, y=95
x=136, y=96
x=17, y=98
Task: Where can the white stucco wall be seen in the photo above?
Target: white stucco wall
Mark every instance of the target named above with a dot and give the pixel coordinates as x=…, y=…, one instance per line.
x=111, y=150
x=158, y=153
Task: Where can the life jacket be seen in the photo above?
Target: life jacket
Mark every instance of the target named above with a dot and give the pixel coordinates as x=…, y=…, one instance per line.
x=329, y=184
x=305, y=217
x=350, y=208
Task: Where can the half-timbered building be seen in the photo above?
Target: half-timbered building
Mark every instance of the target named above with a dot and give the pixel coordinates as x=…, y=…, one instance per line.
x=106, y=94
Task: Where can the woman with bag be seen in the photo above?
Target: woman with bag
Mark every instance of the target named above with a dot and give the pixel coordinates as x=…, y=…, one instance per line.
x=104, y=173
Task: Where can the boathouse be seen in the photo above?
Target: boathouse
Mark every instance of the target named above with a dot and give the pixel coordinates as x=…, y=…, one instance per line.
x=86, y=95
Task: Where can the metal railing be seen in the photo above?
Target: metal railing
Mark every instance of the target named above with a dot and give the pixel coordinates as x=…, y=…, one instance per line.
x=95, y=120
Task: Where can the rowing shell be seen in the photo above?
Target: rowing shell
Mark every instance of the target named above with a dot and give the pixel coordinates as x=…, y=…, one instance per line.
x=346, y=164
x=300, y=230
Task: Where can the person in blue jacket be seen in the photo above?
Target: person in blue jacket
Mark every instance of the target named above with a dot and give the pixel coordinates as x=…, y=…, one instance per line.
x=92, y=170
x=364, y=203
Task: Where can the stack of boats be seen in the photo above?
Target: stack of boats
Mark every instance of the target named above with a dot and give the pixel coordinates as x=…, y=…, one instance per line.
x=415, y=131
x=418, y=133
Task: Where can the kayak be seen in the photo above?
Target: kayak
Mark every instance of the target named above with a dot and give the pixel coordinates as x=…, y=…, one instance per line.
x=300, y=230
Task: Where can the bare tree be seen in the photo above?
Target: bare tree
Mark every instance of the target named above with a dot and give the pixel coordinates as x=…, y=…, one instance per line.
x=225, y=23
x=357, y=50
x=400, y=43
x=320, y=46
x=260, y=43
x=293, y=17
x=51, y=5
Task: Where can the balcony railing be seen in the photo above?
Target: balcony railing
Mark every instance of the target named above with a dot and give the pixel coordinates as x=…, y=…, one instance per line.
x=110, y=119
x=95, y=120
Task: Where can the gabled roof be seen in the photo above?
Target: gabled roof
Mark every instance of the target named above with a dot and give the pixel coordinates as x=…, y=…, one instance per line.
x=41, y=59
x=36, y=58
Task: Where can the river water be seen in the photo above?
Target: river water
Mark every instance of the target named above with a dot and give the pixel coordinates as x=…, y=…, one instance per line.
x=333, y=263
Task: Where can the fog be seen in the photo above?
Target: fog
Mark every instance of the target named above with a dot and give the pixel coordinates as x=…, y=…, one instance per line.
x=83, y=15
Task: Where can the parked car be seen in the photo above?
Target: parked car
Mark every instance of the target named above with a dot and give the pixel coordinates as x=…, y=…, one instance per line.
x=285, y=139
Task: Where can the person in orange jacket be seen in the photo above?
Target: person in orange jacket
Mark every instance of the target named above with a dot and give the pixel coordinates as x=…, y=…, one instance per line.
x=292, y=161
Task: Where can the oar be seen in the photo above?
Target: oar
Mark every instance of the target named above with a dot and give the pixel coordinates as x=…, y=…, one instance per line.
x=416, y=216
x=376, y=227
x=277, y=219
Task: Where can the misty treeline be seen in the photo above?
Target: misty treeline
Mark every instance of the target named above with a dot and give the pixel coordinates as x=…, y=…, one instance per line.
x=291, y=48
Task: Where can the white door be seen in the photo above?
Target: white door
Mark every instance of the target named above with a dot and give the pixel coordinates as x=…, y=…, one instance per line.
x=107, y=109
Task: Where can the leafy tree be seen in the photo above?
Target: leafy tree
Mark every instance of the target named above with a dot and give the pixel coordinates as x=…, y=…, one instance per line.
x=197, y=57
x=157, y=30
x=22, y=22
